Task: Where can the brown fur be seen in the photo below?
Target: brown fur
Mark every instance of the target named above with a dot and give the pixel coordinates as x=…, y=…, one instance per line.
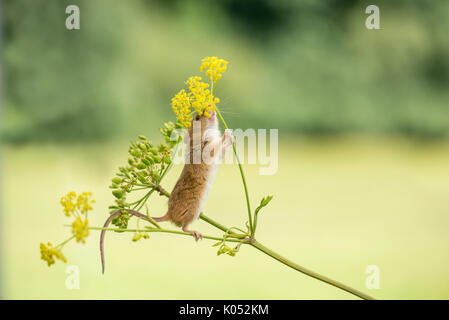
x=186, y=197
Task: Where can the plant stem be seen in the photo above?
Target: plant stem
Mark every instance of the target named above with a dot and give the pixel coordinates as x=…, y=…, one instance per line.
x=213, y=222
x=163, y=231
x=242, y=174
x=64, y=242
x=308, y=272
x=281, y=259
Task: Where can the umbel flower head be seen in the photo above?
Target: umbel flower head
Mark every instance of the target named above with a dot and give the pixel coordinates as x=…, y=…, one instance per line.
x=214, y=67
x=80, y=229
x=81, y=206
x=48, y=254
x=198, y=95
x=181, y=107
x=76, y=207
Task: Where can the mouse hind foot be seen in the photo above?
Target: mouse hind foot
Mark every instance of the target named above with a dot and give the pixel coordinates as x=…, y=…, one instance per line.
x=195, y=234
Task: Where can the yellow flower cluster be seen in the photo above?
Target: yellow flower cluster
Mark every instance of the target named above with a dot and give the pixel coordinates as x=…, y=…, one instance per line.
x=48, y=254
x=68, y=204
x=80, y=229
x=181, y=107
x=77, y=207
x=199, y=96
x=215, y=67
x=81, y=205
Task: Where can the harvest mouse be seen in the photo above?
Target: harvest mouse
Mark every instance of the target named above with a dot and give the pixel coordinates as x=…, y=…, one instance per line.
x=204, y=147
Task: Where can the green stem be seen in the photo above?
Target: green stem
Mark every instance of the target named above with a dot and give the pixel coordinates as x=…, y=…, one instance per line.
x=143, y=200
x=64, y=242
x=163, y=231
x=212, y=222
x=242, y=174
x=308, y=272
x=276, y=256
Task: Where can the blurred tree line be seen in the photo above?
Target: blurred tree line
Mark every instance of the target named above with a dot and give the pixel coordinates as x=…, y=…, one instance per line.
x=305, y=67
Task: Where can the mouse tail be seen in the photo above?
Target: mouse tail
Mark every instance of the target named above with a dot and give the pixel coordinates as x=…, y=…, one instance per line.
x=163, y=218
x=112, y=217
x=103, y=232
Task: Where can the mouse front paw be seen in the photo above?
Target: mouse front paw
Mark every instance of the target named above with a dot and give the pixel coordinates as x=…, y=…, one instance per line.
x=228, y=134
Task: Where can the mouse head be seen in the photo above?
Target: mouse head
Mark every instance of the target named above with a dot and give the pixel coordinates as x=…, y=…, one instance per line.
x=201, y=124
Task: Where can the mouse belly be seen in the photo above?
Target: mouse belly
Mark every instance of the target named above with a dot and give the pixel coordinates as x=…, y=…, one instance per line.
x=212, y=173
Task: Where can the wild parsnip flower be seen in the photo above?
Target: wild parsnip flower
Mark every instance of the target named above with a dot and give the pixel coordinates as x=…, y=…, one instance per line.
x=201, y=98
x=81, y=206
x=215, y=67
x=83, y=202
x=68, y=204
x=181, y=107
x=48, y=254
x=80, y=229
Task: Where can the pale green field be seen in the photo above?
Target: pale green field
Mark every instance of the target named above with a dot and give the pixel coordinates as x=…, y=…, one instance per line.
x=338, y=207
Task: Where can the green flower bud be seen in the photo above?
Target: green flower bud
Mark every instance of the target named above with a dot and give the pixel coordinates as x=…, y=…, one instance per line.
x=122, y=170
x=150, y=160
x=167, y=159
x=141, y=166
x=118, y=193
x=116, y=180
x=142, y=179
x=157, y=159
x=144, y=160
x=135, y=153
x=153, y=151
x=142, y=138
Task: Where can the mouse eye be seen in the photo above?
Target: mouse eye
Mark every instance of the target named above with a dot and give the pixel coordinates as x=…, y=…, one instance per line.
x=197, y=117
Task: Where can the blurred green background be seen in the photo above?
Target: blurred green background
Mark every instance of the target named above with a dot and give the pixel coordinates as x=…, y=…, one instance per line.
x=363, y=119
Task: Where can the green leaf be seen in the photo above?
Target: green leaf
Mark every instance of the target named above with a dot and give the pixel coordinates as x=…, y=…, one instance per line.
x=217, y=244
x=264, y=202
